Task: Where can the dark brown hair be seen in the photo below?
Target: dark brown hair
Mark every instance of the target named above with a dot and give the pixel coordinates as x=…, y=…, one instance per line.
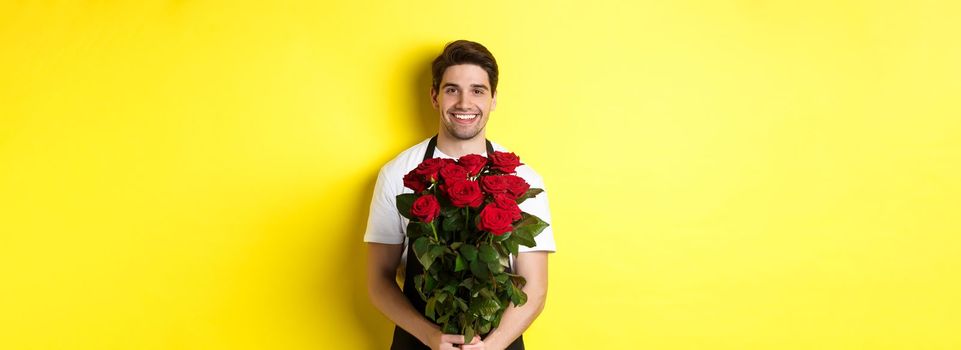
x=464, y=52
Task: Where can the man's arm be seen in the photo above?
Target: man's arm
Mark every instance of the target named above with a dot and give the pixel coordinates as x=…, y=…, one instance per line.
x=533, y=266
x=382, y=261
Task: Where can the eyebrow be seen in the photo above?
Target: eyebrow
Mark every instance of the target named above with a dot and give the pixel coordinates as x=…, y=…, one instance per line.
x=471, y=85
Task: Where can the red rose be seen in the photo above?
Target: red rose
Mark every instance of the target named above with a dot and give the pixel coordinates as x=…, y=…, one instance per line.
x=430, y=167
x=505, y=162
x=415, y=182
x=516, y=185
x=495, y=220
x=453, y=173
x=465, y=193
x=474, y=163
x=495, y=184
x=425, y=208
x=508, y=203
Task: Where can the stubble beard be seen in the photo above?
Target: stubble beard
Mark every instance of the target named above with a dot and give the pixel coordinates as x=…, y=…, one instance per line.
x=463, y=134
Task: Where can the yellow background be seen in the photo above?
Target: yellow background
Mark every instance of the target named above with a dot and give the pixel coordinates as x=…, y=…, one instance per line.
x=723, y=175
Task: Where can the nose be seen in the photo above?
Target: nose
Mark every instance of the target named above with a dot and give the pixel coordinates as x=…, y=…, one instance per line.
x=462, y=102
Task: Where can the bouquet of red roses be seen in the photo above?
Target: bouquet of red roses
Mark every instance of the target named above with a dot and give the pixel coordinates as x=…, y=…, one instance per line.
x=464, y=221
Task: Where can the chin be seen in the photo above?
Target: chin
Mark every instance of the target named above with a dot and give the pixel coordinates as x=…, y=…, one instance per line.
x=464, y=134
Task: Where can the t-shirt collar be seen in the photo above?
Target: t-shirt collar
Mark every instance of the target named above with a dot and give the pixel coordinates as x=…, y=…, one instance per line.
x=441, y=154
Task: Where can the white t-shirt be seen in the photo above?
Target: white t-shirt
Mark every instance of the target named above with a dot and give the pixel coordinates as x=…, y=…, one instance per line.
x=386, y=225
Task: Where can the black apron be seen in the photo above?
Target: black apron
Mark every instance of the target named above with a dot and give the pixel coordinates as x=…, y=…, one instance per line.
x=402, y=339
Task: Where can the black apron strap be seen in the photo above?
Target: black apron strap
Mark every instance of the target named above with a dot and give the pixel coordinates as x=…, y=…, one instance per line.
x=406, y=341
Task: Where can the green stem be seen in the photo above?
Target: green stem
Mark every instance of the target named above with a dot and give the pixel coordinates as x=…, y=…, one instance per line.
x=434, y=230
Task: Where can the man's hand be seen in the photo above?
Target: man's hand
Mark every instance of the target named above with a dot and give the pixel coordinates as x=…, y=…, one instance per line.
x=439, y=341
x=477, y=344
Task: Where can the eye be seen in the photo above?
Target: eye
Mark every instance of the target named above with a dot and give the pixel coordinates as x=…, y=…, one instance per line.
x=478, y=92
x=450, y=90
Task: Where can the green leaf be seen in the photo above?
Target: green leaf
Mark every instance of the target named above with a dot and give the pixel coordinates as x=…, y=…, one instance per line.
x=461, y=304
x=443, y=319
x=479, y=269
x=404, y=202
x=501, y=251
x=431, y=255
x=469, y=251
x=512, y=246
x=497, y=320
x=524, y=238
x=505, y=261
x=438, y=250
x=451, y=327
x=456, y=245
x=445, y=209
x=495, y=267
x=531, y=193
x=453, y=223
x=468, y=333
x=529, y=226
x=419, y=285
x=429, y=283
x=526, y=219
x=420, y=247
x=518, y=280
x=459, y=264
x=485, y=307
x=429, y=310
x=518, y=297
x=417, y=229
x=487, y=253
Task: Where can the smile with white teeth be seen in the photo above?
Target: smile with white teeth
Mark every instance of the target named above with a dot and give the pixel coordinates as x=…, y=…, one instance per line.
x=465, y=116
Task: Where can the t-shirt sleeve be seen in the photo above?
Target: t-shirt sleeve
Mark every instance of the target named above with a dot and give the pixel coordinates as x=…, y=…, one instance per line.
x=538, y=206
x=384, y=224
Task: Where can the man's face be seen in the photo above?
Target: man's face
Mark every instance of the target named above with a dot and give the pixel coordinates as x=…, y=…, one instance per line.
x=464, y=101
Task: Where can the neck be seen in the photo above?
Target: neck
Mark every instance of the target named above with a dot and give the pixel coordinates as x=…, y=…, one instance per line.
x=457, y=148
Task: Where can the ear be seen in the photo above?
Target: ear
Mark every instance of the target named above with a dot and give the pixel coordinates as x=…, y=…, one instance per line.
x=494, y=101
x=433, y=97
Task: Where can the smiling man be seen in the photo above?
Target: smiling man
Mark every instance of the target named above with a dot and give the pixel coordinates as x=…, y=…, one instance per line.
x=464, y=92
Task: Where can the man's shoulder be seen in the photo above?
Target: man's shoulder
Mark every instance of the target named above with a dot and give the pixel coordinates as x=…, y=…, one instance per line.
x=405, y=160
x=525, y=171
